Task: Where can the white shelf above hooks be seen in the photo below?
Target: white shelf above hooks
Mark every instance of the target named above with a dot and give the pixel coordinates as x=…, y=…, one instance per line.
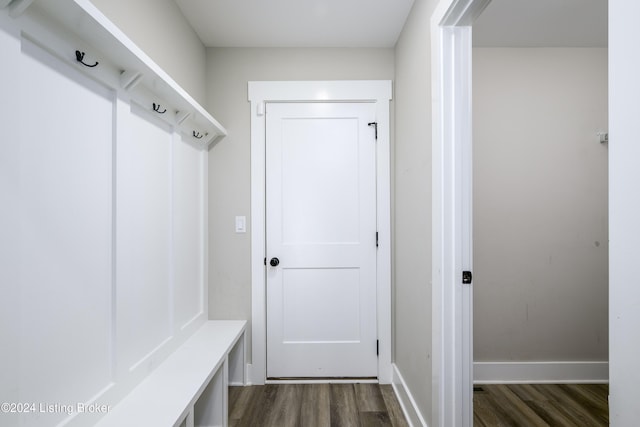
x=78, y=33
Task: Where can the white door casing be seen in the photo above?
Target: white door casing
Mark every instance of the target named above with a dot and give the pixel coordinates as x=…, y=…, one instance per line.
x=452, y=311
x=376, y=92
x=321, y=236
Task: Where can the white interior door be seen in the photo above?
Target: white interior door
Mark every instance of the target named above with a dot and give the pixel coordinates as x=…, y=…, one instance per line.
x=321, y=236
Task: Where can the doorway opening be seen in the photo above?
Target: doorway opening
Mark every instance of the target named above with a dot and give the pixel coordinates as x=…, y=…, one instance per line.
x=377, y=93
x=453, y=220
x=540, y=191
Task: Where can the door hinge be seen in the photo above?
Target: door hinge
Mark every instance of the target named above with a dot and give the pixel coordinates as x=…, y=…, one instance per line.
x=375, y=125
x=265, y=260
x=377, y=239
x=377, y=347
x=467, y=277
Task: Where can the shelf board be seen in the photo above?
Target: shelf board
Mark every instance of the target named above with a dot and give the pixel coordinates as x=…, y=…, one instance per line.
x=56, y=25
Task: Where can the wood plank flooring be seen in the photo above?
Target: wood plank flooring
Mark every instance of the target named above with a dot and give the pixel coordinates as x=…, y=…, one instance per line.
x=371, y=405
x=583, y=405
x=315, y=405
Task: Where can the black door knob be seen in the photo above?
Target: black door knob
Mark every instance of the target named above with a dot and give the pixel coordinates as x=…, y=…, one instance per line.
x=274, y=262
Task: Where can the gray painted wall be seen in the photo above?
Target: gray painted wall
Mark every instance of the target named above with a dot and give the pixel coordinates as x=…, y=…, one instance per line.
x=161, y=31
x=412, y=225
x=228, y=71
x=540, y=204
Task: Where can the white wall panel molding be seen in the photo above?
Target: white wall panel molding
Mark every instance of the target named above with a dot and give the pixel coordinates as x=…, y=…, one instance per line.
x=540, y=372
x=189, y=178
x=63, y=243
x=143, y=238
x=104, y=238
x=9, y=217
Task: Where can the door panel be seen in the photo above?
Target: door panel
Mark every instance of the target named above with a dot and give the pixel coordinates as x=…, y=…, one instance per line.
x=321, y=224
x=319, y=189
x=321, y=305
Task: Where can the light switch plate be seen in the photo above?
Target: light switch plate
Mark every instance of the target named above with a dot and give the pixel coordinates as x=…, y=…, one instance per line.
x=241, y=224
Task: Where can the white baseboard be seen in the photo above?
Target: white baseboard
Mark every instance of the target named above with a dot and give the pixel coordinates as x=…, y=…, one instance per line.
x=407, y=403
x=540, y=372
x=251, y=377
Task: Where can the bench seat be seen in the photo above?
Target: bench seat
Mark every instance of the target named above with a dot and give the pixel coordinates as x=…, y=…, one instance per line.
x=190, y=387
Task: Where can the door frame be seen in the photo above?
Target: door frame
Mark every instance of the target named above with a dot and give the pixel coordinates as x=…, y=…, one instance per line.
x=375, y=91
x=452, y=314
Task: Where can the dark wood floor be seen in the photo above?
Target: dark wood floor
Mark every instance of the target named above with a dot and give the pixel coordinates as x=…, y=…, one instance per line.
x=583, y=405
x=315, y=405
x=371, y=405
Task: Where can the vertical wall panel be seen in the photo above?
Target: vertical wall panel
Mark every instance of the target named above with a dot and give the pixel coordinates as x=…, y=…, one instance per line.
x=9, y=236
x=188, y=233
x=65, y=227
x=143, y=237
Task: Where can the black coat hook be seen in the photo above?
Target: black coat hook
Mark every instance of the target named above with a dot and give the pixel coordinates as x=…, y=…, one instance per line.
x=375, y=125
x=197, y=135
x=156, y=108
x=80, y=57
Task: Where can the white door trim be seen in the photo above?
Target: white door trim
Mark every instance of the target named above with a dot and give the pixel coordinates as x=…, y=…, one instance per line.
x=378, y=91
x=452, y=339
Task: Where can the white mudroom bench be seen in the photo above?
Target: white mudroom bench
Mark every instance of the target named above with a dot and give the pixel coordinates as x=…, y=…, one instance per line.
x=190, y=388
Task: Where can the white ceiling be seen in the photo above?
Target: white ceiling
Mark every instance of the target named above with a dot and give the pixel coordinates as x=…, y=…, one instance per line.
x=542, y=23
x=378, y=23
x=297, y=23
